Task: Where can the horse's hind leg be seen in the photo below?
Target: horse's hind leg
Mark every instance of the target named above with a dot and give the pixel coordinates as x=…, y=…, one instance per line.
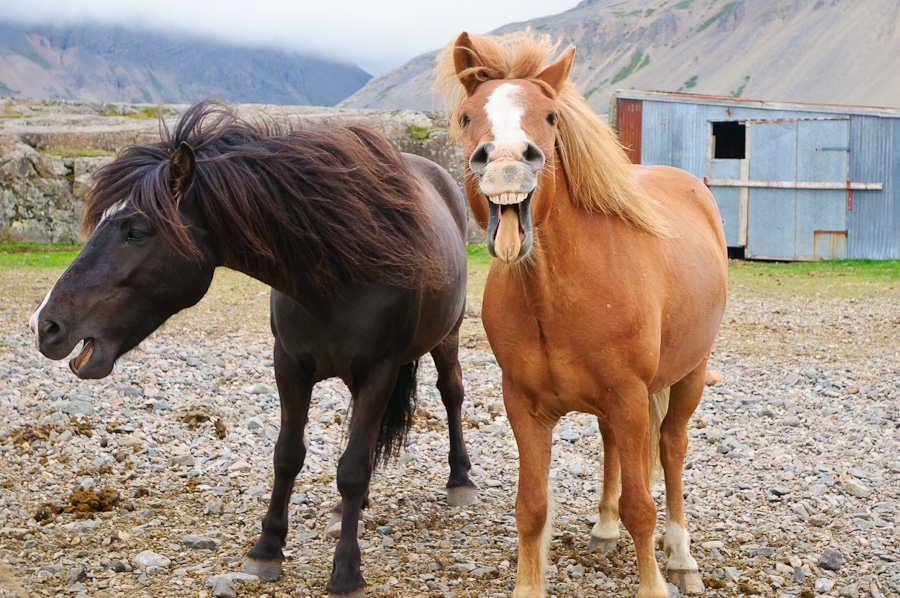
x=294, y=389
x=605, y=534
x=371, y=397
x=685, y=395
x=460, y=489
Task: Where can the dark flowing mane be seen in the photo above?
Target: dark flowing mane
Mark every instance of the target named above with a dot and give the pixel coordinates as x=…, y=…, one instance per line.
x=317, y=206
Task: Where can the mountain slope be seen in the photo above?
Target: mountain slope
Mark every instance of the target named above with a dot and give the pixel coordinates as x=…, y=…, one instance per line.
x=836, y=51
x=100, y=63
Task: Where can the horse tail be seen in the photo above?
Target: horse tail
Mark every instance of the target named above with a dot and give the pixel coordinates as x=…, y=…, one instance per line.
x=398, y=417
x=659, y=405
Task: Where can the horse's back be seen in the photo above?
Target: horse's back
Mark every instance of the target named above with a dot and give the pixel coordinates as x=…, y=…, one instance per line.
x=435, y=177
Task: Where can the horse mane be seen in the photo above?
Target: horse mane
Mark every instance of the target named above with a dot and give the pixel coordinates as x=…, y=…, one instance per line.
x=315, y=207
x=596, y=166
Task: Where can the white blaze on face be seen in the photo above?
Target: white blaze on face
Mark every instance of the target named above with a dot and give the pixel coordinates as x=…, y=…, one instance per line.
x=36, y=316
x=504, y=111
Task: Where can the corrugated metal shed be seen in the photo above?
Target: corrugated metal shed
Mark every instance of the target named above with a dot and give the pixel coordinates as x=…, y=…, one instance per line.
x=793, y=180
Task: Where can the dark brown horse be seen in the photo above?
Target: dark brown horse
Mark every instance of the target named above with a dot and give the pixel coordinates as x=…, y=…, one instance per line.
x=605, y=297
x=364, y=249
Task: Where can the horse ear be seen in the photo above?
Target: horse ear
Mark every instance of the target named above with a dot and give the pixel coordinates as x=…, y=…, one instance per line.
x=182, y=165
x=465, y=59
x=557, y=73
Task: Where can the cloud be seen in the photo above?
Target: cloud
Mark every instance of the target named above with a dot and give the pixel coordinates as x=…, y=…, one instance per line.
x=377, y=36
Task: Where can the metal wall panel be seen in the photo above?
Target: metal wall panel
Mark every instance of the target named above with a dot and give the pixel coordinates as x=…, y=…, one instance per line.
x=822, y=157
x=728, y=198
x=874, y=222
x=628, y=125
x=772, y=213
x=677, y=134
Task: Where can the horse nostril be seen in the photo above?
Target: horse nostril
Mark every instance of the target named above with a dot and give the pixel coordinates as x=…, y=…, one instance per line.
x=479, y=159
x=533, y=156
x=49, y=330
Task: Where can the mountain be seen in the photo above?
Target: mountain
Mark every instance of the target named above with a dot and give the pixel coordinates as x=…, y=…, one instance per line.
x=104, y=63
x=834, y=51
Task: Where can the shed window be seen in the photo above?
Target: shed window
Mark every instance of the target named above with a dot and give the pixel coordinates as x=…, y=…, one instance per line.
x=729, y=140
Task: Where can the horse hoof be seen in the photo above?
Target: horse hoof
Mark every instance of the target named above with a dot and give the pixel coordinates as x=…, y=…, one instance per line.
x=356, y=594
x=334, y=527
x=266, y=571
x=687, y=580
x=603, y=545
x=461, y=496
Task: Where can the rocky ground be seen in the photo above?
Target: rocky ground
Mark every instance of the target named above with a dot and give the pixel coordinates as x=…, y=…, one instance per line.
x=163, y=470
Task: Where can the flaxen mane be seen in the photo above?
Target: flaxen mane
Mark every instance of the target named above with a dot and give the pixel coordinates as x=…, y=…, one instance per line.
x=597, y=169
x=320, y=206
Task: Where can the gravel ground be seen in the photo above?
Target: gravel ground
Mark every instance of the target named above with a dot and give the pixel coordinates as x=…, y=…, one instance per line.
x=792, y=482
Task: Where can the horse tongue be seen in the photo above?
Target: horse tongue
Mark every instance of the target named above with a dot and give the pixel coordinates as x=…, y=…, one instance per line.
x=507, y=241
x=82, y=358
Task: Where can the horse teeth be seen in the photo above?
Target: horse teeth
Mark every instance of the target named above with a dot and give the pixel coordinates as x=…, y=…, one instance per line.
x=507, y=199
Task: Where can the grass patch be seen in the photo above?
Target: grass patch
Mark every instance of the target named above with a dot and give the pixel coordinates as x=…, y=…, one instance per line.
x=36, y=255
x=632, y=66
x=34, y=58
x=144, y=112
x=838, y=278
x=420, y=134
x=715, y=17
x=384, y=92
x=740, y=90
x=77, y=152
x=6, y=90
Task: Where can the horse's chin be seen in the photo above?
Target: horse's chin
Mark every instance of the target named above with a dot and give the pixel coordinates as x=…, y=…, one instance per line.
x=90, y=363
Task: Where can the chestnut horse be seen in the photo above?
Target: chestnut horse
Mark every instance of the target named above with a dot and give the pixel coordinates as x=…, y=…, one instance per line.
x=364, y=248
x=605, y=294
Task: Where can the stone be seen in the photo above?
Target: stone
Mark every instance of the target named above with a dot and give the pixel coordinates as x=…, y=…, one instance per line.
x=856, y=489
x=849, y=591
x=792, y=421
x=831, y=559
x=148, y=558
x=199, y=543
x=224, y=588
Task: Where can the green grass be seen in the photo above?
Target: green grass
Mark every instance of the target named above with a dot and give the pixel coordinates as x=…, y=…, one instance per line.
x=716, y=16
x=420, y=134
x=141, y=113
x=632, y=66
x=838, y=278
x=36, y=255
x=41, y=62
x=740, y=90
x=77, y=152
x=6, y=90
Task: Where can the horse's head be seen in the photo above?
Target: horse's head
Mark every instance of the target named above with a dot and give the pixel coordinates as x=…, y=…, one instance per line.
x=509, y=135
x=129, y=278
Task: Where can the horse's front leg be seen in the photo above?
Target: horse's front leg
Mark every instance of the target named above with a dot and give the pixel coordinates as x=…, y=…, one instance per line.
x=460, y=489
x=370, y=401
x=533, y=518
x=294, y=390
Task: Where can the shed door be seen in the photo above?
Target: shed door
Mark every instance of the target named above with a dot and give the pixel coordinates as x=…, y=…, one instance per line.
x=798, y=217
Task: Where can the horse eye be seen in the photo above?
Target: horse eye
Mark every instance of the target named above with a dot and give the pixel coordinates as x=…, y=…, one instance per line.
x=464, y=120
x=135, y=235
x=552, y=118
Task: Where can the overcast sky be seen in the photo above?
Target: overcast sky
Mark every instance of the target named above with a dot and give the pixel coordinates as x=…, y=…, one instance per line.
x=377, y=35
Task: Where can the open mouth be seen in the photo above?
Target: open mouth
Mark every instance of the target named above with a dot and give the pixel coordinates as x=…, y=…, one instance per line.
x=87, y=349
x=509, y=226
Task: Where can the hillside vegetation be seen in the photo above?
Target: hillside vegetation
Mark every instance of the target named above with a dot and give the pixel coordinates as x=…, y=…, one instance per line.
x=835, y=51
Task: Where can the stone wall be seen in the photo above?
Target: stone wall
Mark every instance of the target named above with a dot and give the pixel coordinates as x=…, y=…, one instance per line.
x=44, y=168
